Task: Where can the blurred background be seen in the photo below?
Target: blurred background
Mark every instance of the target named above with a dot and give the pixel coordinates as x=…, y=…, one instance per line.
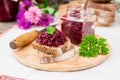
x=9, y=9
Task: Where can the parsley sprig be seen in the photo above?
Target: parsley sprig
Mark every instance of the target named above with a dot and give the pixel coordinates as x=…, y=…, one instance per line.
x=92, y=46
x=50, y=30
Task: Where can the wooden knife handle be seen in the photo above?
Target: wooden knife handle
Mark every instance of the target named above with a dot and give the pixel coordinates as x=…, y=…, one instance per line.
x=24, y=39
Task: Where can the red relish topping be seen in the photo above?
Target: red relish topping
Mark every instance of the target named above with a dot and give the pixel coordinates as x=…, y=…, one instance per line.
x=52, y=40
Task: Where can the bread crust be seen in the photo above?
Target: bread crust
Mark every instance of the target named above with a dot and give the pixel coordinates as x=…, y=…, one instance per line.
x=56, y=51
x=49, y=58
x=112, y=7
x=102, y=25
x=105, y=21
x=102, y=13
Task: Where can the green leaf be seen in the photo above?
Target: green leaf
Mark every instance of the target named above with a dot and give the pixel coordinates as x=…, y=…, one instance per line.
x=55, y=9
x=92, y=46
x=45, y=2
x=48, y=10
x=40, y=6
x=50, y=30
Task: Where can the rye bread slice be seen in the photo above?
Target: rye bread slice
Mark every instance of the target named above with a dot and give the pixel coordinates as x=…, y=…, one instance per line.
x=48, y=58
x=56, y=51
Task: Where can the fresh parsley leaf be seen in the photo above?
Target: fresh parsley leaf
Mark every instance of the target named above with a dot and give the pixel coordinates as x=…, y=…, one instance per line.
x=92, y=46
x=50, y=30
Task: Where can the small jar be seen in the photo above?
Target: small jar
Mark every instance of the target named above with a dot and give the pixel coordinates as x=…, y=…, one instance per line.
x=8, y=10
x=77, y=24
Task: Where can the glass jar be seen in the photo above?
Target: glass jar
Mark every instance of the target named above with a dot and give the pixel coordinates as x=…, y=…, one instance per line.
x=8, y=10
x=77, y=24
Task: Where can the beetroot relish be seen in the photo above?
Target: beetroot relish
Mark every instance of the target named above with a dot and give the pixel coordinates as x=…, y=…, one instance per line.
x=52, y=40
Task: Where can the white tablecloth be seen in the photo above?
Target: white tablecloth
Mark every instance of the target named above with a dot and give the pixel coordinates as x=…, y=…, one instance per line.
x=109, y=70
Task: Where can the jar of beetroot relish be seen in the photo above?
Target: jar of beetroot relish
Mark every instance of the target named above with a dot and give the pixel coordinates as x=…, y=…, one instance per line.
x=78, y=23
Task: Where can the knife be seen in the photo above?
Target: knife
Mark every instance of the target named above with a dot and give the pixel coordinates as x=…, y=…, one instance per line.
x=25, y=38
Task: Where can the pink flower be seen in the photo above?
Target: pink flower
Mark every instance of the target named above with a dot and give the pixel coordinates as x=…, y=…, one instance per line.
x=33, y=15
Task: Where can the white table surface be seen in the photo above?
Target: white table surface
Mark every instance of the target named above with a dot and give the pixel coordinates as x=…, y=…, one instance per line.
x=109, y=70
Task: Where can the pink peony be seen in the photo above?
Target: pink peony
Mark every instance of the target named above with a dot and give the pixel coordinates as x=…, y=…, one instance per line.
x=33, y=15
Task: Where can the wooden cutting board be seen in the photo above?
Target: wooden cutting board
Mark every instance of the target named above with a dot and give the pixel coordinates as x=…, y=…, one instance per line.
x=29, y=57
